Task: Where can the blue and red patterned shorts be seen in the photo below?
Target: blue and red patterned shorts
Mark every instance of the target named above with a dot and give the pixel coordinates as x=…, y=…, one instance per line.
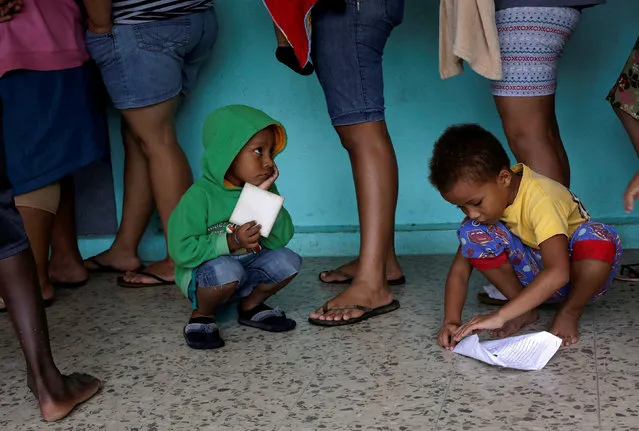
x=491, y=246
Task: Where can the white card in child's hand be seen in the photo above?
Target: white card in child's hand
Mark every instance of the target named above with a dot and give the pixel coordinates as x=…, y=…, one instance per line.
x=257, y=205
x=524, y=352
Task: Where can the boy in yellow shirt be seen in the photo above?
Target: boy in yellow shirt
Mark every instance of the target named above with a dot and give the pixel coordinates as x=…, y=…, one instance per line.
x=527, y=234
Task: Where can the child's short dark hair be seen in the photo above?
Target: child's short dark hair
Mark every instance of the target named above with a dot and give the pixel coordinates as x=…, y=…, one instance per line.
x=466, y=152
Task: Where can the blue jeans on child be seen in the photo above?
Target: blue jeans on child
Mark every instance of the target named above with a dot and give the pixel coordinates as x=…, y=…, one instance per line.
x=249, y=270
x=491, y=246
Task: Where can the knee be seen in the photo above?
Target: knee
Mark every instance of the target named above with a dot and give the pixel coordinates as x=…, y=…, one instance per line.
x=372, y=135
x=155, y=140
x=477, y=240
x=283, y=265
x=526, y=136
x=471, y=228
x=46, y=199
x=220, y=273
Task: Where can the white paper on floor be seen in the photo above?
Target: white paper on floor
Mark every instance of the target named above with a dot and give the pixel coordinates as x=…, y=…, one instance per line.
x=524, y=352
x=493, y=293
x=257, y=205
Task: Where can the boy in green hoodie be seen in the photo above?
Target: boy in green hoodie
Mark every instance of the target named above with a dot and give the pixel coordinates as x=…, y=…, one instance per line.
x=216, y=261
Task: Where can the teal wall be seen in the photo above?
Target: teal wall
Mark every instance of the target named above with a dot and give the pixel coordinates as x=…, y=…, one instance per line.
x=315, y=173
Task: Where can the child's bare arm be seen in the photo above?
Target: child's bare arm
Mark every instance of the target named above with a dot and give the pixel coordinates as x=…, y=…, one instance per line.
x=454, y=299
x=554, y=276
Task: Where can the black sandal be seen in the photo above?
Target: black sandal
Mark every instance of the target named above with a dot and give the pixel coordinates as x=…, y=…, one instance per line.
x=265, y=318
x=628, y=273
x=203, y=334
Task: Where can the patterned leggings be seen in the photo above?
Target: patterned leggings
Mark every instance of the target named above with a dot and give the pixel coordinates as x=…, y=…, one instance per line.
x=491, y=246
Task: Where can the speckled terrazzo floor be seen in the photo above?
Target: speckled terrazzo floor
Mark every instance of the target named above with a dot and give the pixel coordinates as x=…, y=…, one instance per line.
x=385, y=374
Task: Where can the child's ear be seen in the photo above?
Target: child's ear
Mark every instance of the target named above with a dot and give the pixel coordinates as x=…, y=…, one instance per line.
x=504, y=178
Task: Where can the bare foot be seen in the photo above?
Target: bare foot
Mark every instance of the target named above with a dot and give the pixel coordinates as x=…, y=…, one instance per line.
x=346, y=271
x=566, y=326
x=114, y=259
x=67, y=270
x=514, y=325
x=77, y=388
x=47, y=290
x=165, y=269
x=356, y=294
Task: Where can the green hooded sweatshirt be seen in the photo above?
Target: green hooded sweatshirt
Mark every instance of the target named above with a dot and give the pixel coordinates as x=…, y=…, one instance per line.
x=197, y=227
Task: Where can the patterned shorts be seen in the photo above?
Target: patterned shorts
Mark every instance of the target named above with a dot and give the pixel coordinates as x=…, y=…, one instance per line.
x=531, y=41
x=491, y=246
x=625, y=93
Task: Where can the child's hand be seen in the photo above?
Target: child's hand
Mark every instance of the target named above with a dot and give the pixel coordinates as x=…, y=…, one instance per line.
x=632, y=193
x=445, y=335
x=266, y=185
x=247, y=236
x=478, y=324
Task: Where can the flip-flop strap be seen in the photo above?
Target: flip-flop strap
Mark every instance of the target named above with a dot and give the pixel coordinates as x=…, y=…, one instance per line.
x=326, y=308
x=275, y=312
x=148, y=274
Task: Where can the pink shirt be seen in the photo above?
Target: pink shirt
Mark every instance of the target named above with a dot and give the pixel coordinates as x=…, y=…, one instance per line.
x=31, y=41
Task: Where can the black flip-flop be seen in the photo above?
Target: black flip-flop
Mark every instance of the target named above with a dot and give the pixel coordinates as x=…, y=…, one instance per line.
x=349, y=278
x=105, y=269
x=69, y=284
x=484, y=298
x=265, y=318
x=368, y=313
x=633, y=274
x=203, y=334
x=134, y=285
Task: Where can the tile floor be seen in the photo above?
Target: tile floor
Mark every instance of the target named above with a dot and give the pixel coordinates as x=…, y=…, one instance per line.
x=385, y=374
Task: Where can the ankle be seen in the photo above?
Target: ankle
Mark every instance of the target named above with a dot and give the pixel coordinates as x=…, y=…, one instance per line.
x=574, y=312
x=196, y=313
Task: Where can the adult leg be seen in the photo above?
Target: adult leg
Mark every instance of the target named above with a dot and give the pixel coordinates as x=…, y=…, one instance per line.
x=376, y=181
x=57, y=394
x=65, y=264
x=531, y=128
x=353, y=85
x=37, y=209
x=525, y=97
x=631, y=124
x=169, y=170
x=137, y=208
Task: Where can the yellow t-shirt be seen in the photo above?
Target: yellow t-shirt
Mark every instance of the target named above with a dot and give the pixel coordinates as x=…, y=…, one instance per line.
x=542, y=209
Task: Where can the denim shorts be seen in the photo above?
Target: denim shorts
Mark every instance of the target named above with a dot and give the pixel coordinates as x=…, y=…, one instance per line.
x=249, y=270
x=347, y=50
x=152, y=62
